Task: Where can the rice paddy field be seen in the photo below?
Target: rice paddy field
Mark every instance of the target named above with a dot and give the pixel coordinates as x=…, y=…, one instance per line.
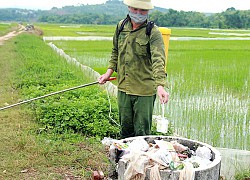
x=4, y=27
x=208, y=79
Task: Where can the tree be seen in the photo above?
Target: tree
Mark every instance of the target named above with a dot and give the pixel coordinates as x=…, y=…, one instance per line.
x=232, y=18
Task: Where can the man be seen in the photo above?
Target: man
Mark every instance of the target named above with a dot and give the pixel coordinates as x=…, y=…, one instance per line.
x=139, y=61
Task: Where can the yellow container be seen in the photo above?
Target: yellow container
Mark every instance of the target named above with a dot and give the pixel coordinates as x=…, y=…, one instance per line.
x=166, y=36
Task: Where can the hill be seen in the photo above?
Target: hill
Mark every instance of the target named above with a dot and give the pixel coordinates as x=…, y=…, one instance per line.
x=108, y=13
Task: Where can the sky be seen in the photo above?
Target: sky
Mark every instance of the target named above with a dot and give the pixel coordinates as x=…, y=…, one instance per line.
x=207, y=6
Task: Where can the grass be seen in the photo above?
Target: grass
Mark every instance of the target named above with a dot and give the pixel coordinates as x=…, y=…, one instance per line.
x=76, y=30
x=204, y=32
x=243, y=175
x=6, y=27
x=108, y=30
x=25, y=152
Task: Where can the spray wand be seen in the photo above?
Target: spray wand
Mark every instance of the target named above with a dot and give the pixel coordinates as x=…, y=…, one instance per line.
x=53, y=93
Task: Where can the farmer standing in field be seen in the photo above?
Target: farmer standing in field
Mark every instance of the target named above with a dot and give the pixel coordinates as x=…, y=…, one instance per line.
x=138, y=57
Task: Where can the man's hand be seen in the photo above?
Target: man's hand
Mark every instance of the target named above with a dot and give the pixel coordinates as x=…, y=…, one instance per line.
x=163, y=95
x=103, y=78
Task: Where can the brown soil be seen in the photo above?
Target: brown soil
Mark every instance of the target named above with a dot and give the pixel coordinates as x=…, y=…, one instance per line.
x=11, y=34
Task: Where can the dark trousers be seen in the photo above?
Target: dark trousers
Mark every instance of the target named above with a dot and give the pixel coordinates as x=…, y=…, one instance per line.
x=135, y=114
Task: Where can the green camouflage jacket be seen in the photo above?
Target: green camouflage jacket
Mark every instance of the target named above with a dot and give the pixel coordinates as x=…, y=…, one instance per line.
x=138, y=59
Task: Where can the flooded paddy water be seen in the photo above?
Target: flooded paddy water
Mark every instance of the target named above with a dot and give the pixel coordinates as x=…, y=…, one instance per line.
x=219, y=119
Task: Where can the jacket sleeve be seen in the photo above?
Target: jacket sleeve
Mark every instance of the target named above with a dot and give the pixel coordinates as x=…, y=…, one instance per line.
x=158, y=57
x=114, y=54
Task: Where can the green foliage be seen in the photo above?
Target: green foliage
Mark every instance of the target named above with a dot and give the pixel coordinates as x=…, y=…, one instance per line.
x=6, y=27
x=173, y=18
x=83, y=111
x=231, y=18
x=236, y=19
x=79, y=19
x=242, y=174
x=15, y=14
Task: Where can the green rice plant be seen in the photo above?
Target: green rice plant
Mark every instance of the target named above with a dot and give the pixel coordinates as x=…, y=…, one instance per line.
x=76, y=30
x=217, y=63
x=191, y=32
x=208, y=33
x=5, y=27
x=94, y=54
x=209, y=91
x=242, y=174
x=108, y=30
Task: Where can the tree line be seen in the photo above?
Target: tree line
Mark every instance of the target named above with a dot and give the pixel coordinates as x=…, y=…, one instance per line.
x=114, y=10
x=231, y=18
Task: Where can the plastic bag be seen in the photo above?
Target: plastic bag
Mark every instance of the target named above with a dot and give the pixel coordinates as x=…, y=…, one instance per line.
x=162, y=122
x=164, y=156
x=165, y=145
x=139, y=144
x=198, y=161
x=204, y=152
x=178, y=147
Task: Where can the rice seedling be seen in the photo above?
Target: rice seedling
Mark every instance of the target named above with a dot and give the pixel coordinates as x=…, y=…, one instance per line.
x=76, y=30
x=209, y=92
x=5, y=27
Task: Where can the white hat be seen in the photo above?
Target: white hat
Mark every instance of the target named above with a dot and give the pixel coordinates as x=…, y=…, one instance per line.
x=140, y=4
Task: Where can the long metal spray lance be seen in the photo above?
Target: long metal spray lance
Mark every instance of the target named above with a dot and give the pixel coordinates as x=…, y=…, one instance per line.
x=51, y=94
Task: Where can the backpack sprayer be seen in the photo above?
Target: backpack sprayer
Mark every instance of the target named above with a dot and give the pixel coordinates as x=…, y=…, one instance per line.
x=57, y=92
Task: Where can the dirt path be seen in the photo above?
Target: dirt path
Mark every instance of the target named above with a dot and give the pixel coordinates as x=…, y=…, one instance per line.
x=11, y=34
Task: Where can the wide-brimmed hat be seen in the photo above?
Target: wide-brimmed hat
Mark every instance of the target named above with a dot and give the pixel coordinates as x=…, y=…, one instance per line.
x=140, y=4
